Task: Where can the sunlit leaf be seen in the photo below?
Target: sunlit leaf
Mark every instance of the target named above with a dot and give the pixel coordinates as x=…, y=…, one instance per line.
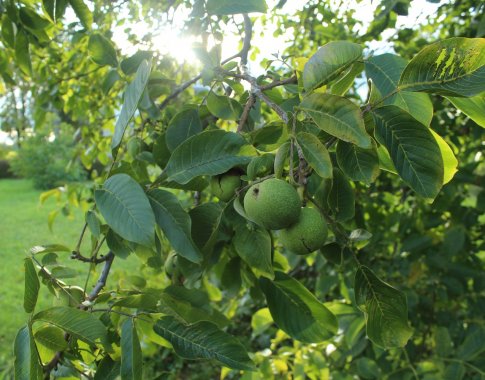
x=329, y=62
x=453, y=67
x=133, y=94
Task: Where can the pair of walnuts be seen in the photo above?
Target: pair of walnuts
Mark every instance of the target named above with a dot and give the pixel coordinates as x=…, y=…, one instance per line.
x=275, y=205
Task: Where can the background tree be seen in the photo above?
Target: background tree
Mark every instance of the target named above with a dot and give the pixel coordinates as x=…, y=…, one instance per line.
x=215, y=282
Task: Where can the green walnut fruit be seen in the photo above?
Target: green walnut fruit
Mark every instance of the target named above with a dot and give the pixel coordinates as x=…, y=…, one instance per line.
x=273, y=204
x=306, y=235
x=70, y=296
x=224, y=186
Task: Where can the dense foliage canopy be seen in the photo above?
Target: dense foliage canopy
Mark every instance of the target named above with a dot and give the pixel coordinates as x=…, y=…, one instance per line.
x=378, y=135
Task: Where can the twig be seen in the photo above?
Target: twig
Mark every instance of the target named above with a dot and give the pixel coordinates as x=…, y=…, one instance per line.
x=78, y=256
x=245, y=114
x=102, y=278
x=248, y=33
x=281, y=82
x=280, y=111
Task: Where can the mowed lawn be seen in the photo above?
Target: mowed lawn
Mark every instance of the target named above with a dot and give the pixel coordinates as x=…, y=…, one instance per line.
x=23, y=224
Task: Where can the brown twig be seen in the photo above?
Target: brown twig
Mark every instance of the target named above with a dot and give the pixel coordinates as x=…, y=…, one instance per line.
x=245, y=114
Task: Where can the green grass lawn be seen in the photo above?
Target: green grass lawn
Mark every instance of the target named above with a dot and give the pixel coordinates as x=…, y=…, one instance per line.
x=23, y=224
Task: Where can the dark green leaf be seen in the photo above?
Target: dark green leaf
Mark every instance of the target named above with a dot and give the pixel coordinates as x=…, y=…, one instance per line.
x=93, y=223
x=22, y=52
x=8, y=32
x=130, y=65
x=55, y=8
x=296, y=311
x=315, y=153
x=183, y=125
x=175, y=223
x=223, y=107
x=358, y=164
x=32, y=20
x=413, y=150
x=203, y=340
x=81, y=324
x=385, y=309
x=229, y=7
x=385, y=71
x=125, y=207
x=254, y=247
x=341, y=198
x=107, y=369
x=102, y=51
x=453, y=67
x=82, y=12
x=131, y=356
x=473, y=345
x=337, y=116
x=329, y=62
x=26, y=365
x=133, y=94
x=207, y=153
x=32, y=286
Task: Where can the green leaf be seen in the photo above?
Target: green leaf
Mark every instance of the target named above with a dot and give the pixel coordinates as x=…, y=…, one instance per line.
x=329, y=62
x=32, y=286
x=254, y=247
x=413, y=150
x=8, y=32
x=133, y=94
x=131, y=356
x=107, y=369
x=230, y=7
x=183, y=125
x=385, y=71
x=280, y=159
x=315, y=154
x=102, y=51
x=358, y=164
x=93, y=223
x=207, y=153
x=206, y=219
x=47, y=248
x=26, y=365
x=32, y=20
x=385, y=310
x=297, y=311
x=130, y=65
x=175, y=223
x=341, y=198
x=22, y=52
x=223, y=107
x=450, y=163
x=343, y=85
x=473, y=107
x=51, y=337
x=473, y=345
x=126, y=209
x=82, y=12
x=54, y=8
x=81, y=324
x=260, y=321
x=203, y=340
x=337, y=116
x=453, y=67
